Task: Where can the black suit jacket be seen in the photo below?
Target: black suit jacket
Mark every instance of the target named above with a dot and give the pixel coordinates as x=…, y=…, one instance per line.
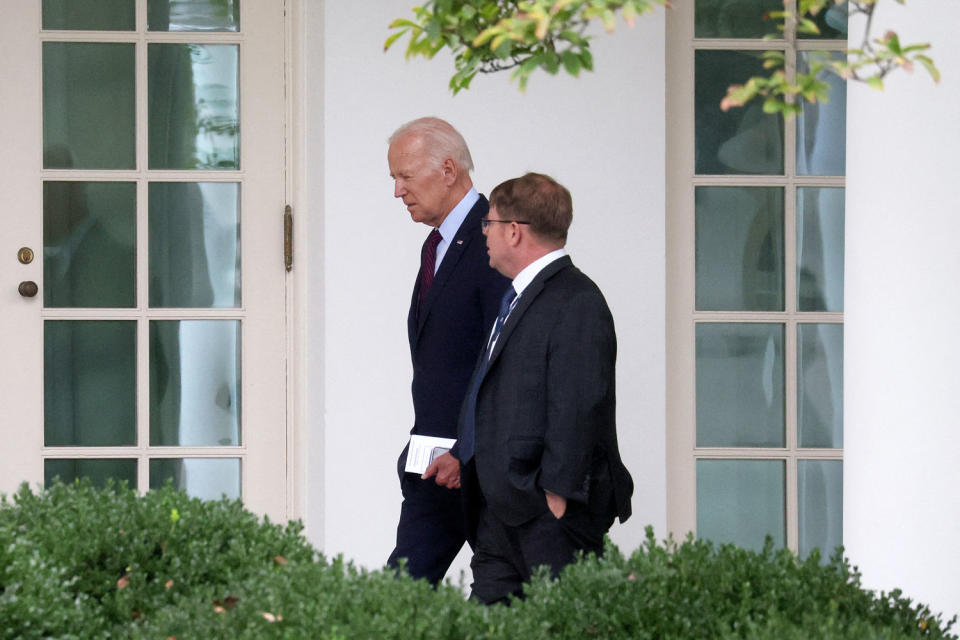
x=449, y=332
x=546, y=408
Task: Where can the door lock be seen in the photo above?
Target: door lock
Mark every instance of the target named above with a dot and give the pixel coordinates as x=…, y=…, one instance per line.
x=25, y=255
x=28, y=288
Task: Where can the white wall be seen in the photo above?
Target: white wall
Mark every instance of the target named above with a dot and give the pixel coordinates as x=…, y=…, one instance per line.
x=901, y=476
x=600, y=135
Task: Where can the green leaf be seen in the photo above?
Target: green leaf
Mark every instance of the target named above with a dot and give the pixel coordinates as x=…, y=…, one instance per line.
x=875, y=82
x=773, y=105
x=571, y=62
x=389, y=41
x=551, y=62
x=403, y=22
x=929, y=66
x=586, y=59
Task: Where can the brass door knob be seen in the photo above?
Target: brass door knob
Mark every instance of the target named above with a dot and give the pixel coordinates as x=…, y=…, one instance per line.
x=28, y=288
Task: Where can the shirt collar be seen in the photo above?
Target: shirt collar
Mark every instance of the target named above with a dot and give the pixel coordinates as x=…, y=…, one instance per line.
x=529, y=272
x=451, y=224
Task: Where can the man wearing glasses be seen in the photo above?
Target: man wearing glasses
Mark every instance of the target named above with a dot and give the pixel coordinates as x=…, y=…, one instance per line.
x=540, y=465
x=455, y=301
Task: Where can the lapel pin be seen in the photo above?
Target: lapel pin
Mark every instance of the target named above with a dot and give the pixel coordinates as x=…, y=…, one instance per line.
x=459, y=241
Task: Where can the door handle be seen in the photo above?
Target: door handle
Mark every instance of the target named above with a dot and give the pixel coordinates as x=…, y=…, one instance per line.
x=28, y=288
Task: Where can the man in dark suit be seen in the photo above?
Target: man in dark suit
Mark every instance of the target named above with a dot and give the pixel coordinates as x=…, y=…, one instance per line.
x=455, y=300
x=541, y=467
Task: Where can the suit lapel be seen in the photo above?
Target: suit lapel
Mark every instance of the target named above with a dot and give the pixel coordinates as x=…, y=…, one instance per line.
x=526, y=299
x=466, y=234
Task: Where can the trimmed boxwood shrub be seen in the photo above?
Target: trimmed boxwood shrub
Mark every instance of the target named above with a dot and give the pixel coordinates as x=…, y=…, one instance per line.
x=78, y=562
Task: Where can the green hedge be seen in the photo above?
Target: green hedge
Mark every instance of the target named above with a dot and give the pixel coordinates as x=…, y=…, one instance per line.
x=77, y=562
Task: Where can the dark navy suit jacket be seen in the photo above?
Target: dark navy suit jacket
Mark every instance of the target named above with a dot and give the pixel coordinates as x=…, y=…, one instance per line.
x=546, y=408
x=451, y=329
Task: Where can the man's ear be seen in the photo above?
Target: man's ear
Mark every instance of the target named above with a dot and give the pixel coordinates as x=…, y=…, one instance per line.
x=515, y=234
x=450, y=171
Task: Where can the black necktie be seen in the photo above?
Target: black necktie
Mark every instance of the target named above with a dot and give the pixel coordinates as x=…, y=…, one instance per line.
x=428, y=263
x=467, y=438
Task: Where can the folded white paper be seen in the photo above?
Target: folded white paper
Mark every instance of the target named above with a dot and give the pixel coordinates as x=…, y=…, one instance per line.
x=423, y=450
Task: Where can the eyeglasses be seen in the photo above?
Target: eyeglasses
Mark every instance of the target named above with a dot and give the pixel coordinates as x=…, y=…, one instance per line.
x=485, y=222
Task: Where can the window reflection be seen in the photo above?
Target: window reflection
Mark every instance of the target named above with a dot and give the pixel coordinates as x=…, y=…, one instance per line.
x=820, y=248
x=194, y=244
x=820, y=498
x=204, y=478
x=820, y=384
x=89, y=383
x=740, y=384
x=89, y=237
x=738, y=141
x=195, y=382
x=739, y=249
x=193, y=15
x=822, y=126
x=88, y=105
x=194, y=117
x=741, y=502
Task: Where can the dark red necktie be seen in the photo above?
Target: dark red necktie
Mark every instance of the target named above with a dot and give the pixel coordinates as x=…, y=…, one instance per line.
x=428, y=262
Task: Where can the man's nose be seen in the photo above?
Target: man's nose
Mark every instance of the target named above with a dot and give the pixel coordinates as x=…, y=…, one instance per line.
x=398, y=189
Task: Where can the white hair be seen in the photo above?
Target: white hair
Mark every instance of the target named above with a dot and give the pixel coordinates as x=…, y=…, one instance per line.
x=441, y=140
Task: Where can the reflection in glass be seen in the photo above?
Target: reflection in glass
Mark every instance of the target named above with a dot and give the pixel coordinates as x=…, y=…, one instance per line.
x=204, y=478
x=98, y=471
x=88, y=105
x=740, y=385
x=738, y=141
x=820, y=489
x=832, y=23
x=735, y=18
x=741, y=501
x=90, y=15
x=820, y=242
x=194, y=244
x=820, y=384
x=89, y=383
x=822, y=127
x=193, y=15
x=89, y=244
x=193, y=106
x=739, y=249
x=195, y=382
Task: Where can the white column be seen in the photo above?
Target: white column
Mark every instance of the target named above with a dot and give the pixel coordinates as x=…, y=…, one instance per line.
x=902, y=351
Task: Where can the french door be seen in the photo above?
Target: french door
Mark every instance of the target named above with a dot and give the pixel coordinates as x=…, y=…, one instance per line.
x=143, y=284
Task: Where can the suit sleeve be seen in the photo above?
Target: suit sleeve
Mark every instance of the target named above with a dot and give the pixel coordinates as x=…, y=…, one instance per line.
x=580, y=388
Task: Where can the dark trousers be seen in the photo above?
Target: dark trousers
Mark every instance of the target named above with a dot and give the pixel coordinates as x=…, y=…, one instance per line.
x=431, y=531
x=504, y=557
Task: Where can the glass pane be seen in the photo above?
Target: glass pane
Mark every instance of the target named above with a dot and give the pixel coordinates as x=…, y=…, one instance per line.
x=193, y=15
x=194, y=244
x=89, y=383
x=740, y=385
x=204, y=478
x=820, y=254
x=832, y=22
x=739, y=141
x=195, y=382
x=88, y=105
x=741, y=501
x=99, y=471
x=822, y=128
x=820, y=385
x=820, y=487
x=89, y=244
x=194, y=106
x=735, y=18
x=739, y=249
x=90, y=15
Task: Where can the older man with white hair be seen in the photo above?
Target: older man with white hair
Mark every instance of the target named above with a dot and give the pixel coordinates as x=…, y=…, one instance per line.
x=455, y=301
